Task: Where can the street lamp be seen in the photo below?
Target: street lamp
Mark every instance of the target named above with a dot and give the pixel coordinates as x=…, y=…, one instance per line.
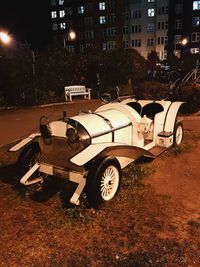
x=71, y=36
x=180, y=45
x=184, y=41
x=5, y=38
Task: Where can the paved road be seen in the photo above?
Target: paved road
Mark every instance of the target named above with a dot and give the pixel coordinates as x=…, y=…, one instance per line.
x=15, y=124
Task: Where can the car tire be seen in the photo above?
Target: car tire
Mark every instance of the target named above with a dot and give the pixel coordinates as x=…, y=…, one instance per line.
x=178, y=134
x=29, y=156
x=103, y=181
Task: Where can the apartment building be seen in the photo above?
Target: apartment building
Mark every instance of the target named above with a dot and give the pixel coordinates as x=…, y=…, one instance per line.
x=164, y=26
x=146, y=27
x=184, y=27
x=95, y=23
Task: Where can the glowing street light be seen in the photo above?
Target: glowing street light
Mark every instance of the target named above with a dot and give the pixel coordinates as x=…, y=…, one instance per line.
x=72, y=35
x=5, y=38
x=184, y=41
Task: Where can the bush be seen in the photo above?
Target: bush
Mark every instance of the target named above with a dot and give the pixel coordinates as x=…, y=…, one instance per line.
x=190, y=94
x=152, y=90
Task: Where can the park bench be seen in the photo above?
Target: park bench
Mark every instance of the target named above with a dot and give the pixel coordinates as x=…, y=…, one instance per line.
x=76, y=90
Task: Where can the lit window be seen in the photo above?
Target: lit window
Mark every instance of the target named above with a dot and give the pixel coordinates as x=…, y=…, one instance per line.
x=61, y=2
x=102, y=6
x=102, y=19
x=81, y=10
x=104, y=46
x=196, y=5
x=151, y=12
x=195, y=50
x=63, y=25
x=151, y=1
x=53, y=14
x=163, y=55
x=62, y=13
x=196, y=21
x=54, y=27
x=195, y=37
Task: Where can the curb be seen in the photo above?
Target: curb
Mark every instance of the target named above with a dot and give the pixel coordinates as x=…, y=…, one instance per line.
x=48, y=105
x=56, y=104
x=195, y=116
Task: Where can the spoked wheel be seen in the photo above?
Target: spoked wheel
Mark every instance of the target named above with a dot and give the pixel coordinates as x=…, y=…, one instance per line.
x=105, y=97
x=103, y=181
x=109, y=182
x=178, y=134
x=26, y=161
x=111, y=96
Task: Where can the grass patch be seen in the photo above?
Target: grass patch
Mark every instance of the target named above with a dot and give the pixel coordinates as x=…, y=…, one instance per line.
x=8, y=158
x=190, y=141
x=134, y=173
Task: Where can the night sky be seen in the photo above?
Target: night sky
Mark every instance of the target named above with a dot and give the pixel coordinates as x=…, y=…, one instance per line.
x=27, y=21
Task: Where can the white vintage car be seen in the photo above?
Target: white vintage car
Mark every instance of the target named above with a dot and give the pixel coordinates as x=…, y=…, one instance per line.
x=92, y=148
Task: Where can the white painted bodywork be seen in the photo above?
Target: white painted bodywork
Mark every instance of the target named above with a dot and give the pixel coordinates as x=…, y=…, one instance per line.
x=24, y=142
x=111, y=126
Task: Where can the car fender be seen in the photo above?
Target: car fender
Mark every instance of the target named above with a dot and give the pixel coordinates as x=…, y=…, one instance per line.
x=124, y=153
x=171, y=116
x=24, y=142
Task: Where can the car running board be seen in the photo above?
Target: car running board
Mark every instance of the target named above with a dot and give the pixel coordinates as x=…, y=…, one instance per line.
x=156, y=151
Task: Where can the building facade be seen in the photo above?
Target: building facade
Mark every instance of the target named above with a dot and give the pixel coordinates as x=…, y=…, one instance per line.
x=164, y=26
x=146, y=27
x=184, y=27
x=95, y=23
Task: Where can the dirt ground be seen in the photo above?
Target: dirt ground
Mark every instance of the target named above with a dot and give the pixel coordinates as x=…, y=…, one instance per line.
x=154, y=220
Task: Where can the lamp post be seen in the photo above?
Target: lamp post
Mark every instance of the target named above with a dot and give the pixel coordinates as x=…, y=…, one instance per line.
x=70, y=36
x=33, y=72
x=178, y=52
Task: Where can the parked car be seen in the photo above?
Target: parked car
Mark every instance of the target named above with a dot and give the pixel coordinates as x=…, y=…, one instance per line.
x=92, y=148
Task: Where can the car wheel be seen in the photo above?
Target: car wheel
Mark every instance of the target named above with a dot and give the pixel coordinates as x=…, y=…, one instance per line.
x=103, y=181
x=178, y=134
x=26, y=161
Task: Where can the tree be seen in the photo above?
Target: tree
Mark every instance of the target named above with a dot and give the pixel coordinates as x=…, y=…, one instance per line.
x=152, y=61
